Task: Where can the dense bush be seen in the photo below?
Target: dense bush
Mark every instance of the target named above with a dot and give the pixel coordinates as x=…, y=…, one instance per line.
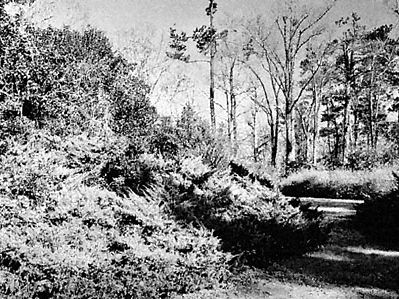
x=164, y=140
x=338, y=184
x=362, y=160
x=60, y=238
x=189, y=136
x=378, y=217
x=251, y=220
x=137, y=173
x=91, y=243
x=68, y=82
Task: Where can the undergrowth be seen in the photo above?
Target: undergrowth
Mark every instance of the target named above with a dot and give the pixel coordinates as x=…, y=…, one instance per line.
x=341, y=184
x=63, y=235
x=252, y=221
x=83, y=218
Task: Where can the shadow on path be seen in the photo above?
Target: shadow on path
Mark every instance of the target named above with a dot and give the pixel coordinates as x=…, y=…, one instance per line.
x=347, y=261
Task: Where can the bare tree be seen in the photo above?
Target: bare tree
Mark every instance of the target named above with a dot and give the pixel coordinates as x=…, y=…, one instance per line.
x=309, y=109
x=231, y=78
x=269, y=103
x=281, y=43
x=253, y=123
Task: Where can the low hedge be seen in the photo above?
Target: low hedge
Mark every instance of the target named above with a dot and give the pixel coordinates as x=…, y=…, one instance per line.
x=341, y=184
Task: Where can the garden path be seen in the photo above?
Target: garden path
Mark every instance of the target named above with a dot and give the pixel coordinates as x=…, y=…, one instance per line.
x=348, y=266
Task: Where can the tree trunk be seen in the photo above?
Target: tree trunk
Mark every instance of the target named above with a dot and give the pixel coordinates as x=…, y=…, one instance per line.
x=371, y=112
x=346, y=126
x=274, y=129
x=212, y=70
x=233, y=104
x=376, y=103
x=291, y=140
x=273, y=147
x=228, y=121
x=254, y=144
x=316, y=133
x=288, y=147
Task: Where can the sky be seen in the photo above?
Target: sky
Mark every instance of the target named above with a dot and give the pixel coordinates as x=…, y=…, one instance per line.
x=118, y=16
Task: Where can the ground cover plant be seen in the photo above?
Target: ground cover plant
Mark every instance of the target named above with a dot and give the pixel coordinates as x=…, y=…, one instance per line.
x=63, y=236
x=251, y=220
x=68, y=231
x=343, y=184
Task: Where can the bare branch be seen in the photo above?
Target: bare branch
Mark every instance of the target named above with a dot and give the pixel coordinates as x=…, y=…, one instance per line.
x=304, y=86
x=263, y=88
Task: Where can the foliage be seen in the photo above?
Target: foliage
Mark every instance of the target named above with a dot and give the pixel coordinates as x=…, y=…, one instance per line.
x=101, y=198
x=358, y=92
x=68, y=82
x=363, y=160
x=343, y=184
x=164, y=140
x=251, y=220
x=131, y=111
x=198, y=139
x=203, y=37
x=189, y=136
x=138, y=173
x=73, y=118
x=62, y=238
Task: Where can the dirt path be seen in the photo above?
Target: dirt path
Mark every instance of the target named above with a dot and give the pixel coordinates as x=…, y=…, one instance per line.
x=346, y=267
x=285, y=290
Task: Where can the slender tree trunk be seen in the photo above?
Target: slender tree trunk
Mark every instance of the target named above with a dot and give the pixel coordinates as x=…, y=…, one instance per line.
x=273, y=146
x=329, y=125
x=289, y=110
x=346, y=125
x=376, y=126
x=355, y=128
x=228, y=120
x=212, y=70
x=233, y=104
x=371, y=118
x=316, y=133
x=274, y=129
x=254, y=137
x=288, y=147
